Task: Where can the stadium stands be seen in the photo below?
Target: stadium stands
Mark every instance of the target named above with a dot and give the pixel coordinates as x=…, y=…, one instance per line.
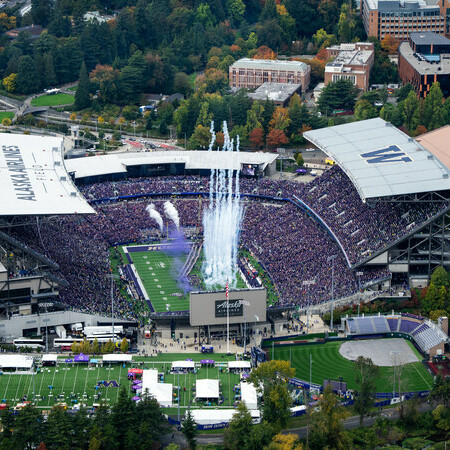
x=426, y=335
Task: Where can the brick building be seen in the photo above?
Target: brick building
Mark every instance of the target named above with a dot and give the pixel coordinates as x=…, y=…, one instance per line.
x=352, y=62
x=399, y=18
x=423, y=60
x=252, y=73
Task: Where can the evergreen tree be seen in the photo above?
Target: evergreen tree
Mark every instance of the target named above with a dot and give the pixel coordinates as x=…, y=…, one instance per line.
x=82, y=94
x=433, y=113
x=27, y=76
x=409, y=109
x=269, y=11
x=366, y=373
x=189, y=429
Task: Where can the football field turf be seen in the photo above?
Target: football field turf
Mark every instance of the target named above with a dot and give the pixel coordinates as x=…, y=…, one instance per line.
x=158, y=272
x=328, y=363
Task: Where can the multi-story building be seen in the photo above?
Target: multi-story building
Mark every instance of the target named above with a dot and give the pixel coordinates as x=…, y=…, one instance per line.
x=399, y=18
x=352, y=62
x=252, y=73
x=423, y=60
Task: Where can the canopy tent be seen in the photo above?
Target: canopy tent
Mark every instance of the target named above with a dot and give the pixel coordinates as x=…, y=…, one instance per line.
x=298, y=410
x=149, y=377
x=16, y=362
x=136, y=371
x=49, y=359
x=81, y=358
x=183, y=365
x=239, y=365
x=116, y=357
x=207, y=389
x=248, y=395
x=162, y=392
x=214, y=416
x=207, y=361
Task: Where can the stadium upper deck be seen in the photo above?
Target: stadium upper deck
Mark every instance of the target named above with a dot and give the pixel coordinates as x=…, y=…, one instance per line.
x=381, y=160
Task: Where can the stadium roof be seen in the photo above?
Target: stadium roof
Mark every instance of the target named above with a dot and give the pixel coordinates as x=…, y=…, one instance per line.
x=117, y=163
x=380, y=159
x=436, y=142
x=34, y=180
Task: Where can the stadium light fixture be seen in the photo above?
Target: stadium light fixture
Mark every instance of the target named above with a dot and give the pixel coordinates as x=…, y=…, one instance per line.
x=332, y=258
x=308, y=283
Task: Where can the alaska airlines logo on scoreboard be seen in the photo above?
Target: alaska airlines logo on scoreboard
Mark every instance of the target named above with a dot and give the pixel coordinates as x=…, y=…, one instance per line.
x=386, y=155
x=235, y=308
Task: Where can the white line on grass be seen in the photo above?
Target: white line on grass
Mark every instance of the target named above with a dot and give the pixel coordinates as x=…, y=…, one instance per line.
x=75, y=380
x=18, y=385
x=6, y=390
x=417, y=370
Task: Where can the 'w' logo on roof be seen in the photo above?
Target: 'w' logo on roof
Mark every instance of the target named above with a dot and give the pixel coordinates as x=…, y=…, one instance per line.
x=386, y=155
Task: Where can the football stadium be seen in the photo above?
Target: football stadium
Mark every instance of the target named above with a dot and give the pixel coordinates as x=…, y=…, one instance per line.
x=126, y=236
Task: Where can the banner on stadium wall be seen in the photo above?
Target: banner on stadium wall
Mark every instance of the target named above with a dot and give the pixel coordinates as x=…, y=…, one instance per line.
x=406, y=394
x=304, y=384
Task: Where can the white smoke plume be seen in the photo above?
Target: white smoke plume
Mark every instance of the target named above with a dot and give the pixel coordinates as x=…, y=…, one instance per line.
x=155, y=215
x=171, y=213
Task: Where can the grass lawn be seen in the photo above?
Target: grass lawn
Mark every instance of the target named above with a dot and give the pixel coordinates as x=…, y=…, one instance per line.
x=53, y=100
x=6, y=114
x=67, y=379
x=328, y=363
x=73, y=88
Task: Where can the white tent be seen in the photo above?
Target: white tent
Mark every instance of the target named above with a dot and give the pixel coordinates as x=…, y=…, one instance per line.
x=214, y=416
x=162, y=392
x=239, y=365
x=248, y=395
x=50, y=358
x=116, y=357
x=183, y=365
x=149, y=377
x=207, y=389
x=18, y=362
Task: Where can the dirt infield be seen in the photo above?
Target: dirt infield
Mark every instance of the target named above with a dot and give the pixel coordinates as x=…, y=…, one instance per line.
x=383, y=352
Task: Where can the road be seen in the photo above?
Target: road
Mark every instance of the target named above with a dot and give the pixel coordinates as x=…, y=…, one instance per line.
x=350, y=423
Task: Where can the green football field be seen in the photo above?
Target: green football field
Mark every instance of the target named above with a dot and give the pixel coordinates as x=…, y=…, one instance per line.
x=158, y=275
x=327, y=363
x=158, y=271
x=69, y=380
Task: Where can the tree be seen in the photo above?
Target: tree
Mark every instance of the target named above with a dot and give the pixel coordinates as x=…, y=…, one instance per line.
x=327, y=429
x=390, y=44
x=429, y=299
x=366, y=373
x=27, y=76
x=239, y=428
x=6, y=122
x=236, y=9
x=365, y=110
x=410, y=107
x=441, y=390
x=28, y=432
x=433, y=112
x=276, y=138
x=200, y=138
x=10, y=82
x=256, y=137
x=189, y=429
x=124, y=345
x=285, y=442
x=82, y=94
x=182, y=83
x=440, y=277
x=280, y=119
x=340, y=94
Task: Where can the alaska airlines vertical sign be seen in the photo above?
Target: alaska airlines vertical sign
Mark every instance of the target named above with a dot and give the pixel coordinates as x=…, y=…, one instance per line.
x=386, y=155
x=19, y=175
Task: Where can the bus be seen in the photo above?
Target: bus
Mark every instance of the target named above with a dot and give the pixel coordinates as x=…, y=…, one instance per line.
x=28, y=342
x=66, y=343
x=101, y=330
x=102, y=338
x=330, y=161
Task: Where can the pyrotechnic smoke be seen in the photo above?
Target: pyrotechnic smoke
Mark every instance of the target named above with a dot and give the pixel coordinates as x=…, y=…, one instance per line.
x=155, y=215
x=171, y=213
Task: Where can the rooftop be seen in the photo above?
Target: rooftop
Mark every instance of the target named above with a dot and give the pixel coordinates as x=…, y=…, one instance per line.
x=402, y=6
x=246, y=63
x=428, y=38
x=199, y=160
x=380, y=159
x=34, y=179
x=436, y=142
x=277, y=92
x=422, y=63
x=352, y=57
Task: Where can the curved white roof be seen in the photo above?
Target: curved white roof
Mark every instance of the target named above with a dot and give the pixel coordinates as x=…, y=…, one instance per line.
x=380, y=159
x=200, y=160
x=34, y=180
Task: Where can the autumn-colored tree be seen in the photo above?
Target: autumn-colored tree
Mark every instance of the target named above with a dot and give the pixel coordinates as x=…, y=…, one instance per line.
x=264, y=52
x=256, y=137
x=390, y=44
x=285, y=442
x=276, y=138
x=8, y=22
x=235, y=48
x=73, y=116
x=100, y=120
x=322, y=54
x=219, y=139
x=9, y=82
x=280, y=119
x=420, y=130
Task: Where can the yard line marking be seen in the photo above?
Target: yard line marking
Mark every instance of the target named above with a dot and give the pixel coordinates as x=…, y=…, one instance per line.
x=7, y=384
x=417, y=370
x=75, y=380
x=18, y=385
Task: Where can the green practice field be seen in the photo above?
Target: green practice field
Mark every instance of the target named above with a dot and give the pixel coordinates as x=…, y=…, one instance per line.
x=68, y=379
x=327, y=363
x=157, y=273
x=53, y=100
x=6, y=114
